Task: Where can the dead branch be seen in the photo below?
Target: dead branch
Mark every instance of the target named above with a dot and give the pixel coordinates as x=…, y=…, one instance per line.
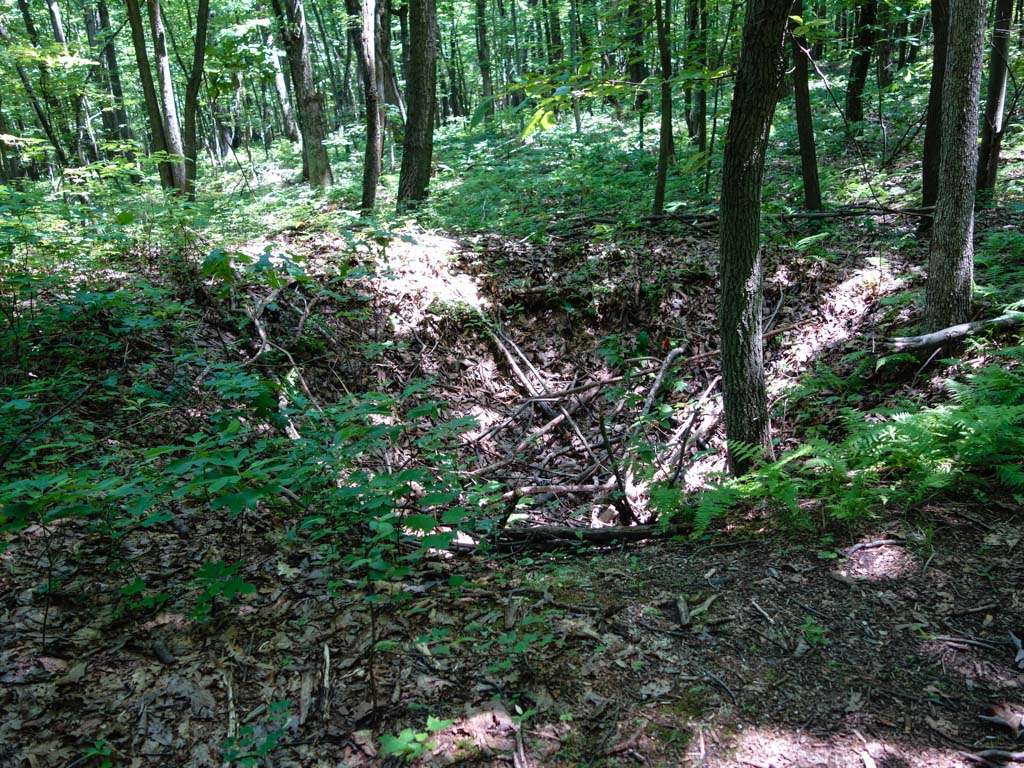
x=953, y=333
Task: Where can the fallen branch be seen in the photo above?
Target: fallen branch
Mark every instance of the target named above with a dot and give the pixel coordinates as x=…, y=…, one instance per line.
x=559, y=537
x=953, y=333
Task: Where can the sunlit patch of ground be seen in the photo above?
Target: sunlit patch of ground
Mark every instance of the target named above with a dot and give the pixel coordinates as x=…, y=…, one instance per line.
x=419, y=274
x=766, y=747
x=881, y=563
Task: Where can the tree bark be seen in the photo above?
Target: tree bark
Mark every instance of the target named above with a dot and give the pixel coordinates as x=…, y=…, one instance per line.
x=195, y=79
x=636, y=66
x=421, y=83
x=366, y=12
x=933, y=119
x=113, y=71
x=483, y=54
x=291, y=129
x=665, y=148
x=758, y=76
x=995, y=99
x=156, y=123
x=291, y=19
x=951, y=264
x=861, y=61
x=805, y=120
x=168, y=104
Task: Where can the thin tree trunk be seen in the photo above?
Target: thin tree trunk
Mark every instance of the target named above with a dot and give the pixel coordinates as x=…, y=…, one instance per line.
x=758, y=76
x=366, y=12
x=860, y=64
x=97, y=74
x=291, y=129
x=933, y=120
x=483, y=54
x=421, y=83
x=995, y=99
x=330, y=54
x=665, y=148
x=636, y=66
x=113, y=71
x=951, y=264
x=156, y=122
x=168, y=105
x=37, y=106
x=805, y=120
x=291, y=18
x=195, y=79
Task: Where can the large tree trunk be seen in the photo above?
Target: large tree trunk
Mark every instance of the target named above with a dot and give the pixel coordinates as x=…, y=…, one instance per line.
x=421, y=82
x=291, y=18
x=483, y=53
x=805, y=120
x=665, y=148
x=195, y=79
x=366, y=12
x=861, y=61
x=168, y=104
x=933, y=118
x=156, y=122
x=113, y=71
x=758, y=78
x=995, y=99
x=951, y=265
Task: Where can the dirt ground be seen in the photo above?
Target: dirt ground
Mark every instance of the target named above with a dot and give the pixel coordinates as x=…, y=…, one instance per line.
x=882, y=649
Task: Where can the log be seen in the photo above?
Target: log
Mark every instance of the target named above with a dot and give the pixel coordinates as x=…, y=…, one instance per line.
x=953, y=333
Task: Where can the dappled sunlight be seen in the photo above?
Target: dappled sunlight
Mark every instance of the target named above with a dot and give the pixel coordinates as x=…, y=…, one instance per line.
x=874, y=561
x=767, y=747
x=419, y=273
x=841, y=312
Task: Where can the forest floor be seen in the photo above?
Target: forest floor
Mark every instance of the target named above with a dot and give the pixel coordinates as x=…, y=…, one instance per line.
x=881, y=645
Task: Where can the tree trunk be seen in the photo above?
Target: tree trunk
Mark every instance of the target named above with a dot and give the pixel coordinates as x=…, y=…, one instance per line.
x=366, y=11
x=168, y=104
x=421, y=82
x=156, y=122
x=805, y=120
x=951, y=264
x=97, y=75
x=636, y=65
x=665, y=148
x=995, y=100
x=483, y=54
x=113, y=71
x=861, y=61
x=330, y=54
x=758, y=76
x=291, y=19
x=556, y=50
x=291, y=129
x=933, y=118
x=37, y=106
x=883, y=52
x=195, y=79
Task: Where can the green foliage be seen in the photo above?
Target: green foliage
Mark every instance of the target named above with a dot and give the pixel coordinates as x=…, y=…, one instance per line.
x=410, y=744
x=894, y=459
x=254, y=743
